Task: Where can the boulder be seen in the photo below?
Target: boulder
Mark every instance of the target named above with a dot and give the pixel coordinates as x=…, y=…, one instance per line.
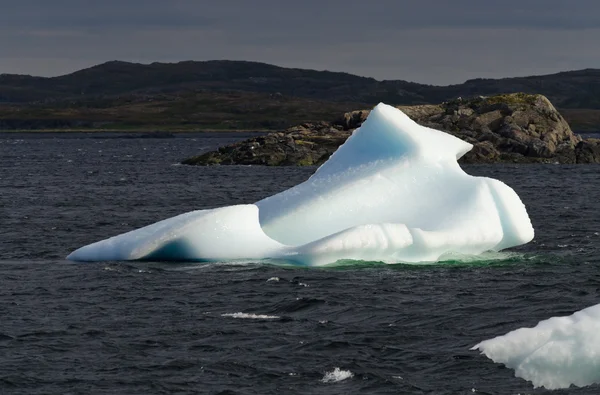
x=588, y=151
x=527, y=125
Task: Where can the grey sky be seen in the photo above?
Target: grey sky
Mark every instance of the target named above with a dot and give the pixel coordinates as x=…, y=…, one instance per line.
x=429, y=41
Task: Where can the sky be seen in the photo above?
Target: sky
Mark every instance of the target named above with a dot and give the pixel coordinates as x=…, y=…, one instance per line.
x=429, y=41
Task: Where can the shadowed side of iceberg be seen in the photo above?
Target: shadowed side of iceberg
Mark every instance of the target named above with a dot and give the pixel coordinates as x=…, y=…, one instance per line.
x=226, y=233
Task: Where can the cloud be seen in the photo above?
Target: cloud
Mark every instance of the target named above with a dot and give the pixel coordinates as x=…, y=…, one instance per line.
x=102, y=15
x=427, y=40
x=300, y=15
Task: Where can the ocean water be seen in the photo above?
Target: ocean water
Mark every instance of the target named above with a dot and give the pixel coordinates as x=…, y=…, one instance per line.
x=252, y=328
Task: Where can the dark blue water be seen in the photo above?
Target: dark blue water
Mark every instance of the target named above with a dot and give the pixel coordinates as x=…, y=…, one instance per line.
x=157, y=328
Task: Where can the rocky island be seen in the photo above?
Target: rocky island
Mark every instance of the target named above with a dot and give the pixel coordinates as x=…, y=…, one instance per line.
x=513, y=128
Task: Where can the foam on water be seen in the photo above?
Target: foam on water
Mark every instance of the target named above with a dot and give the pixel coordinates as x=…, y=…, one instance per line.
x=337, y=375
x=251, y=316
x=556, y=353
x=393, y=192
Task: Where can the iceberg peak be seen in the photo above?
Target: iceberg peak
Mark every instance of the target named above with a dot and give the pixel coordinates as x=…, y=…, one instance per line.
x=389, y=134
x=420, y=140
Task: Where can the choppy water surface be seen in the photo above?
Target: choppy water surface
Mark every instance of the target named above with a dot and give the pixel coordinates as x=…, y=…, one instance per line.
x=150, y=328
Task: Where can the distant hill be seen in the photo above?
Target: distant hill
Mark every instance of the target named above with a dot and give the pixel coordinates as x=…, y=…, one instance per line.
x=122, y=78
x=103, y=94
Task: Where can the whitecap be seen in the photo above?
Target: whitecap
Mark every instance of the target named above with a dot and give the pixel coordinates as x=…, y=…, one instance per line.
x=337, y=375
x=251, y=316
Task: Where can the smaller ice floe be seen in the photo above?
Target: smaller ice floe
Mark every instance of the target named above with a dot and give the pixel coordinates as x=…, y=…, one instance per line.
x=251, y=316
x=337, y=375
x=556, y=353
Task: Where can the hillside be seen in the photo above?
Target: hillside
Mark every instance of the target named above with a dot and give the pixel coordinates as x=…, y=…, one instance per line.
x=183, y=111
x=182, y=95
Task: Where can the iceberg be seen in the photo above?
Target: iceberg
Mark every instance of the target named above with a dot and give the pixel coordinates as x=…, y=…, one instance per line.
x=393, y=192
x=556, y=353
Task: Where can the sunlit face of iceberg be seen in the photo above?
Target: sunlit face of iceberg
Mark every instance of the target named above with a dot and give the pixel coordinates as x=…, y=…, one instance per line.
x=393, y=192
x=556, y=353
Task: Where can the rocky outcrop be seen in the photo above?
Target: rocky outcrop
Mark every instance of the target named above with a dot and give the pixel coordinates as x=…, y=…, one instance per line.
x=304, y=145
x=588, y=151
x=516, y=128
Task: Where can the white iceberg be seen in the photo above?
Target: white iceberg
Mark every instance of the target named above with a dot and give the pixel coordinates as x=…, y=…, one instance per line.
x=556, y=353
x=393, y=192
